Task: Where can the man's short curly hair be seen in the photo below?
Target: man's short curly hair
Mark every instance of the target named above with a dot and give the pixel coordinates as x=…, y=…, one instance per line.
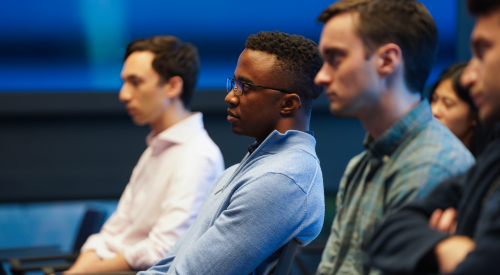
x=298, y=62
x=172, y=58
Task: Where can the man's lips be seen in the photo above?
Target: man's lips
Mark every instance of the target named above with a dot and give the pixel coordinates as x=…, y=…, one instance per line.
x=231, y=116
x=130, y=111
x=478, y=99
x=331, y=96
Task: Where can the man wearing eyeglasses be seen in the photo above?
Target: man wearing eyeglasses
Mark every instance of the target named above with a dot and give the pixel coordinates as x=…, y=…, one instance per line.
x=276, y=192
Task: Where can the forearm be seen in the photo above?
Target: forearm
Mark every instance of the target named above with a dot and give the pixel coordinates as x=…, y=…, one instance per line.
x=403, y=240
x=89, y=262
x=85, y=259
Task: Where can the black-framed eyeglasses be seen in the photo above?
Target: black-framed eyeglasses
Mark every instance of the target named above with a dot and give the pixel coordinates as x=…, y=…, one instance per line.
x=238, y=86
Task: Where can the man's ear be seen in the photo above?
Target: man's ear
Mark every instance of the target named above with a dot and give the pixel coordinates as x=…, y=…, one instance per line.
x=389, y=59
x=290, y=103
x=173, y=87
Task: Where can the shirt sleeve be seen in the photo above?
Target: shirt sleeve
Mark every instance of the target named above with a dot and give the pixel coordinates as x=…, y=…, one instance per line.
x=404, y=239
x=181, y=204
x=262, y=216
x=112, y=227
x=413, y=181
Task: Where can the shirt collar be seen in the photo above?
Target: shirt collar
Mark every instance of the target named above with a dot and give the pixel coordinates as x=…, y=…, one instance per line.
x=178, y=133
x=252, y=147
x=277, y=142
x=386, y=144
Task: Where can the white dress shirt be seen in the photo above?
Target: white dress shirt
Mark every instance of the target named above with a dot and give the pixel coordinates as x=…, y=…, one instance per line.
x=164, y=195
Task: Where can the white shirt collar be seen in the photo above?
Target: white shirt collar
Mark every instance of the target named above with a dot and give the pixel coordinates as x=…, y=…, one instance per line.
x=177, y=133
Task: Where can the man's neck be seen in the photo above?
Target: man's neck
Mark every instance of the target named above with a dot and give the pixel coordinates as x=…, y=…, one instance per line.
x=298, y=123
x=172, y=114
x=391, y=108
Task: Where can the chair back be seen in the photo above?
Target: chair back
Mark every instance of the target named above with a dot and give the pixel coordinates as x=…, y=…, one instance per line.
x=91, y=223
x=286, y=258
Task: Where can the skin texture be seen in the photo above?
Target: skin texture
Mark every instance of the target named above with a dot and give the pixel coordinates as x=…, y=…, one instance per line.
x=481, y=73
x=453, y=112
x=89, y=262
x=444, y=221
x=371, y=89
x=452, y=251
x=148, y=99
x=260, y=111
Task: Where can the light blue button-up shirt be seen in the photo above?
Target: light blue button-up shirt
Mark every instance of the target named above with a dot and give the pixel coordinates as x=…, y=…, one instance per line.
x=406, y=162
x=252, y=210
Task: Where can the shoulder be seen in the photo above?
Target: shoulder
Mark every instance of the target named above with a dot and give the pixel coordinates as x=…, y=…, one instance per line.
x=300, y=166
x=201, y=145
x=436, y=145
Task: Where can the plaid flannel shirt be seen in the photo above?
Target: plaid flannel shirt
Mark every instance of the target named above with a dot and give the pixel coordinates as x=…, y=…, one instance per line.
x=406, y=162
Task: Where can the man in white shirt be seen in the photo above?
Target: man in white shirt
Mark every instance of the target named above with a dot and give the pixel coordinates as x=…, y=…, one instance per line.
x=173, y=175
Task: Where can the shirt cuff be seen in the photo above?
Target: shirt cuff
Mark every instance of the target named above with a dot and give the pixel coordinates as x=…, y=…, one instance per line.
x=96, y=243
x=141, y=256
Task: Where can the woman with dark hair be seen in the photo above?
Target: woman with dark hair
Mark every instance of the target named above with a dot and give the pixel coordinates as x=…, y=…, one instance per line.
x=453, y=106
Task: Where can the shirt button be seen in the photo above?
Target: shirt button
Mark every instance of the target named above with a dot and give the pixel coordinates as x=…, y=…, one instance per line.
x=386, y=159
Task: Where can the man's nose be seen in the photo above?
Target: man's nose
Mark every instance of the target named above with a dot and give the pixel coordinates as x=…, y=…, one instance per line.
x=232, y=99
x=322, y=77
x=125, y=94
x=469, y=75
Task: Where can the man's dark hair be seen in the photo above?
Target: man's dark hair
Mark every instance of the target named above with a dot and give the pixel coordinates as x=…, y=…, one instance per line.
x=298, y=62
x=482, y=7
x=172, y=58
x=406, y=23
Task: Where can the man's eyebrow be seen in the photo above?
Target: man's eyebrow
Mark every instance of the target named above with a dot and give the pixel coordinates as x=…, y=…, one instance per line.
x=334, y=50
x=243, y=79
x=130, y=77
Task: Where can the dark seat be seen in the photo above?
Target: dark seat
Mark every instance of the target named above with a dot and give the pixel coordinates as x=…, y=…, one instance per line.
x=286, y=258
x=91, y=223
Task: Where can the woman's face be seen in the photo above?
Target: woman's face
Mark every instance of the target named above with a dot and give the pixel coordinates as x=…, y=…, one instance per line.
x=452, y=111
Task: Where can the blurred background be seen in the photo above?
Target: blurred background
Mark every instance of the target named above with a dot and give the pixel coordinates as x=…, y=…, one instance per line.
x=66, y=142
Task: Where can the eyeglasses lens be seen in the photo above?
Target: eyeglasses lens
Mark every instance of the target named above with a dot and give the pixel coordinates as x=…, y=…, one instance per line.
x=232, y=84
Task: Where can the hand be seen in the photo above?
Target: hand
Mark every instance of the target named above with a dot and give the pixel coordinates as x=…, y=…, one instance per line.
x=444, y=221
x=452, y=251
x=84, y=260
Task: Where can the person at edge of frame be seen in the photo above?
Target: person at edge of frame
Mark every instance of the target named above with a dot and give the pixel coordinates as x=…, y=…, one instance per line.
x=456, y=229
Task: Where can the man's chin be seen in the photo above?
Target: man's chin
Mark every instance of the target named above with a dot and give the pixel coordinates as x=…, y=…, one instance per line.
x=339, y=112
x=139, y=122
x=237, y=131
x=489, y=117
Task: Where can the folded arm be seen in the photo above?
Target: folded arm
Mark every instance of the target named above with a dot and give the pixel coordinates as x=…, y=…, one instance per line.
x=404, y=243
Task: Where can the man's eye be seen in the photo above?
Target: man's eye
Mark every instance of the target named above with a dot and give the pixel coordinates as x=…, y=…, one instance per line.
x=246, y=87
x=334, y=60
x=480, y=51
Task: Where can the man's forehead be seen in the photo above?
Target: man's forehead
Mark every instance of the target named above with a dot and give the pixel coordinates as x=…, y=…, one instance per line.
x=139, y=62
x=487, y=26
x=339, y=30
x=253, y=65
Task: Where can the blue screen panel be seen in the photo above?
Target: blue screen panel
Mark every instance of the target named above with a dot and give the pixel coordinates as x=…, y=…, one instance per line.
x=67, y=46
